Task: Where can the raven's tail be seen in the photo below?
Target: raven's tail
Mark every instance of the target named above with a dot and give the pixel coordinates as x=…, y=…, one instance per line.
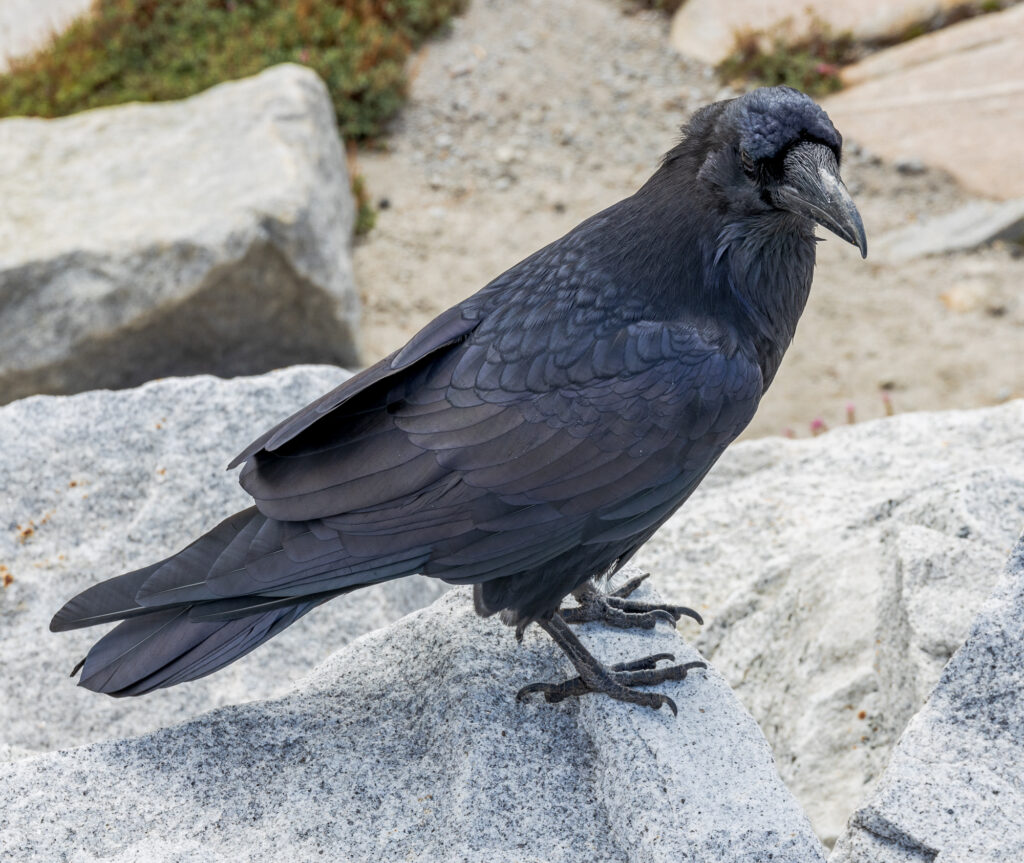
x=173, y=627
x=165, y=647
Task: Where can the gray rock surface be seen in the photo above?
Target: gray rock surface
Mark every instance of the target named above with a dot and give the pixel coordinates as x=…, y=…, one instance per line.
x=954, y=790
x=103, y=482
x=207, y=235
x=409, y=745
x=967, y=227
x=839, y=574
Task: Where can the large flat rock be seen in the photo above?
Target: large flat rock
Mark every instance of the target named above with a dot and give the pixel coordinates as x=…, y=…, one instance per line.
x=839, y=574
x=953, y=790
x=953, y=99
x=409, y=745
x=209, y=235
x=707, y=29
x=103, y=482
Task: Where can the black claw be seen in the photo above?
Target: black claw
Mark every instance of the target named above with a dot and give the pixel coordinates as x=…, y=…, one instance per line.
x=632, y=606
x=689, y=612
x=529, y=689
x=667, y=616
x=671, y=705
x=615, y=609
x=643, y=663
x=555, y=692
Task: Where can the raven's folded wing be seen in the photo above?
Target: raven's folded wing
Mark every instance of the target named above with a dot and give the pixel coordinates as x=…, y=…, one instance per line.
x=484, y=461
x=452, y=478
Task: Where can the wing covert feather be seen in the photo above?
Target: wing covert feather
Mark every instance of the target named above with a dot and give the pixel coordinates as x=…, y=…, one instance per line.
x=542, y=444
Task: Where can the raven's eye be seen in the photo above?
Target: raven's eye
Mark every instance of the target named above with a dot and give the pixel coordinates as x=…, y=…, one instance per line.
x=748, y=163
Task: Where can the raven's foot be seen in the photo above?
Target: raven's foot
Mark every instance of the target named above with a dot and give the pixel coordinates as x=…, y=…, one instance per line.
x=616, y=681
x=616, y=610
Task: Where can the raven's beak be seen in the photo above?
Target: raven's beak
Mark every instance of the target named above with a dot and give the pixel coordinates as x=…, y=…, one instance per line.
x=811, y=187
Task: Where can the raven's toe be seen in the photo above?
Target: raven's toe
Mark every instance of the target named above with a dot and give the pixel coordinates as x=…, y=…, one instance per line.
x=615, y=609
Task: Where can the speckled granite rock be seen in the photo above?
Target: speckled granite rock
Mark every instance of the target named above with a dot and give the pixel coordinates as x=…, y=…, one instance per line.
x=954, y=789
x=409, y=745
x=209, y=235
x=103, y=482
x=839, y=574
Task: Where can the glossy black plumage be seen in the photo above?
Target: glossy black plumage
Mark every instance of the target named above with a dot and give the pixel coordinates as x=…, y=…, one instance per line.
x=528, y=439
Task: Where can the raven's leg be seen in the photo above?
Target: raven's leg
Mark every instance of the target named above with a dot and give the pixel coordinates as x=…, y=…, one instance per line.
x=595, y=677
x=616, y=610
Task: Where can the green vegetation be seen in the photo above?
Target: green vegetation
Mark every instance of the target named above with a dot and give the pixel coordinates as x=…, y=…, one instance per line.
x=669, y=7
x=366, y=215
x=809, y=62
x=812, y=60
x=151, y=50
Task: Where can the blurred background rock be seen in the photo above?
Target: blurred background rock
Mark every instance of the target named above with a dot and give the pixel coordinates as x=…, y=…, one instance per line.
x=211, y=234
x=519, y=120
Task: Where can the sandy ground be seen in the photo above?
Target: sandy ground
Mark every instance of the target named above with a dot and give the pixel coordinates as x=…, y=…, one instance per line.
x=530, y=116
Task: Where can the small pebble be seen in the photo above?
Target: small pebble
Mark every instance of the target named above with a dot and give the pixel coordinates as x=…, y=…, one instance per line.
x=910, y=167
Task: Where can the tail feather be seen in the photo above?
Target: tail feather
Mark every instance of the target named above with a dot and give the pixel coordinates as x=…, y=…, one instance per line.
x=165, y=647
x=244, y=606
x=114, y=599
x=222, y=596
x=183, y=577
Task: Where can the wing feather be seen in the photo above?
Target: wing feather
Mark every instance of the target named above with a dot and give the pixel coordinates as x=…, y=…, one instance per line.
x=495, y=452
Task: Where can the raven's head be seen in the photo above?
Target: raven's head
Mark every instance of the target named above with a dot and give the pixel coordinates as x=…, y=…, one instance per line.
x=775, y=150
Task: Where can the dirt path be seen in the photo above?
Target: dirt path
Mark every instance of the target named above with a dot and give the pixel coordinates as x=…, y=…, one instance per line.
x=530, y=116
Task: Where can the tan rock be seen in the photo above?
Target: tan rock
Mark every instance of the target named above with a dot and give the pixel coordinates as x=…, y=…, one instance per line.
x=953, y=99
x=969, y=296
x=967, y=36
x=706, y=29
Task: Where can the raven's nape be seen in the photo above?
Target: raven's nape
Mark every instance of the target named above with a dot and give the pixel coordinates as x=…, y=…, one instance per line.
x=165, y=647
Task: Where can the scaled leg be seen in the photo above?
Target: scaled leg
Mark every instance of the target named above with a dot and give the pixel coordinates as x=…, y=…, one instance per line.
x=616, y=681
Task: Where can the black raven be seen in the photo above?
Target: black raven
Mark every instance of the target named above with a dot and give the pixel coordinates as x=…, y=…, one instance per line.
x=529, y=439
